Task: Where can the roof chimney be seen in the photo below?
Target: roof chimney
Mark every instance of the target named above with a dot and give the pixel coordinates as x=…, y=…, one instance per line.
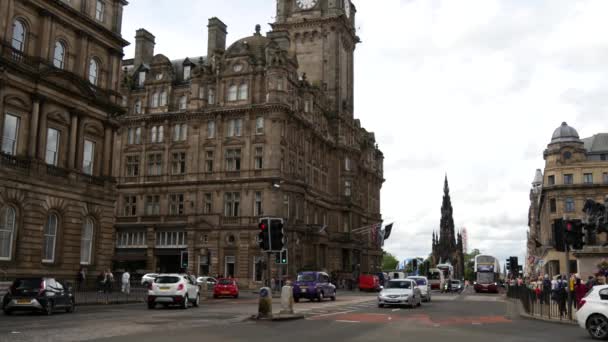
x=144, y=47
x=216, y=41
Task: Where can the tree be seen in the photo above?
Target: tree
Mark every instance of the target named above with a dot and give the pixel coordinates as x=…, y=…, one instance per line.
x=469, y=264
x=389, y=262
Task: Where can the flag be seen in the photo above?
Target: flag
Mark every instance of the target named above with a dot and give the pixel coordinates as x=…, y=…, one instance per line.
x=387, y=231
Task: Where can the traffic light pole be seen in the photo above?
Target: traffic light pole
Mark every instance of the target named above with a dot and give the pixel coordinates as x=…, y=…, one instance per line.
x=269, y=270
x=569, y=297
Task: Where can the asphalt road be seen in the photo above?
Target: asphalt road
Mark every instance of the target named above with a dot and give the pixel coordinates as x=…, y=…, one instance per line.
x=353, y=317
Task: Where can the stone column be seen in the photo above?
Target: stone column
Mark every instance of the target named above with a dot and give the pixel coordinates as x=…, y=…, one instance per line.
x=41, y=130
x=7, y=7
x=33, y=134
x=107, y=151
x=73, y=143
x=45, y=35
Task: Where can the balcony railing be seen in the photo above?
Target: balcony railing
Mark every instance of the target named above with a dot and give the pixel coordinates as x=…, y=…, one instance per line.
x=13, y=162
x=57, y=171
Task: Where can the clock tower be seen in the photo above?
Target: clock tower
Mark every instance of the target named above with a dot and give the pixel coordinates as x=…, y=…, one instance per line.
x=323, y=38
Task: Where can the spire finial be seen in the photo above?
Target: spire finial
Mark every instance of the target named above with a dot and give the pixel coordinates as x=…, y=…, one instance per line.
x=446, y=187
x=258, y=29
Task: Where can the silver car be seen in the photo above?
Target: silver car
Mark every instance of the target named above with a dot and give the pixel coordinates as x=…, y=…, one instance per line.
x=400, y=292
x=424, y=286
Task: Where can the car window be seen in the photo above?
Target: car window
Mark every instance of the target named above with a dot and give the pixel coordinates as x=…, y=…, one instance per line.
x=306, y=277
x=419, y=281
x=167, y=280
x=27, y=284
x=399, y=285
x=226, y=282
x=602, y=292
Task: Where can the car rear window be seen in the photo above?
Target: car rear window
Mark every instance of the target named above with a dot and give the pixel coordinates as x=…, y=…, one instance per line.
x=27, y=284
x=306, y=277
x=226, y=282
x=166, y=280
x=420, y=282
x=399, y=285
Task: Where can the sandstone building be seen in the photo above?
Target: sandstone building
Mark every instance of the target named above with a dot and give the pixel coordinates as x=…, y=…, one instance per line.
x=575, y=170
x=59, y=100
x=262, y=127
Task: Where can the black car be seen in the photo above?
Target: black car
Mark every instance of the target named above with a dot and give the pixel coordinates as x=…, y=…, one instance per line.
x=38, y=294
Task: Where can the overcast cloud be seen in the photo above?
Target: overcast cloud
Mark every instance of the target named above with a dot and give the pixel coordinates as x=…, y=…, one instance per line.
x=472, y=88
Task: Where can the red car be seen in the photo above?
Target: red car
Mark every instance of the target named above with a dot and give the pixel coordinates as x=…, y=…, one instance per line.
x=226, y=287
x=369, y=282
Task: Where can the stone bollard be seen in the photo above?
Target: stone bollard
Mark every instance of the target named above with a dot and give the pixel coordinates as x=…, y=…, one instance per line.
x=287, y=300
x=204, y=290
x=265, y=304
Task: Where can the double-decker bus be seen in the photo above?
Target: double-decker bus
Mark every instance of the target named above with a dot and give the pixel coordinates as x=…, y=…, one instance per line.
x=487, y=273
x=436, y=279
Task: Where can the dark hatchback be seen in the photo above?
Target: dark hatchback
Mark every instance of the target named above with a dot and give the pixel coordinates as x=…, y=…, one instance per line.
x=313, y=285
x=39, y=294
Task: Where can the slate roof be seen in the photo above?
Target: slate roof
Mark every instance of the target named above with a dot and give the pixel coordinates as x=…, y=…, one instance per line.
x=597, y=143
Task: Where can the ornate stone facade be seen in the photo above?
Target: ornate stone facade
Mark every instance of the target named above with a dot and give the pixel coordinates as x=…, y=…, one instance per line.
x=447, y=246
x=59, y=99
x=264, y=127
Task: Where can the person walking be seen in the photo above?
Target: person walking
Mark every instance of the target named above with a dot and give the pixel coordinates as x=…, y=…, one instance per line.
x=580, y=290
x=101, y=282
x=81, y=278
x=126, y=283
x=590, y=283
x=109, y=281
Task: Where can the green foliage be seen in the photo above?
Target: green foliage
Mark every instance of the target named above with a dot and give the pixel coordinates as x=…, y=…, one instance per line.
x=389, y=262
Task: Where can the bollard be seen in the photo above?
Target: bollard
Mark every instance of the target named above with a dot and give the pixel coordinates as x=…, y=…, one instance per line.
x=287, y=300
x=204, y=290
x=265, y=304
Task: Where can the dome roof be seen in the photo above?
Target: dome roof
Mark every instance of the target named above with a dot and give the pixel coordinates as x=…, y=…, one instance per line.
x=565, y=133
x=254, y=45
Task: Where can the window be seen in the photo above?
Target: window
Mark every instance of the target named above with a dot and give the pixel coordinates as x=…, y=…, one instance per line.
x=19, y=34
x=231, y=204
x=208, y=205
x=163, y=98
x=235, y=127
x=210, y=129
x=88, y=157
x=176, y=204
x=93, y=71
x=259, y=125
x=348, y=188
x=157, y=134
x=141, y=79
x=155, y=164
x=50, y=238
x=86, y=242
x=10, y=134
x=568, y=179
x=137, y=107
x=187, y=71
x=180, y=132
x=551, y=180
x=132, y=166
x=130, y=208
x=605, y=177
x=131, y=239
x=179, y=163
x=154, y=100
x=569, y=205
x=52, y=146
x=171, y=239
x=134, y=135
x=209, y=161
x=553, y=205
x=201, y=92
x=257, y=205
x=183, y=102
x=232, y=93
x=211, y=96
x=233, y=160
x=59, y=55
x=153, y=205
x=243, y=91
x=259, y=158
x=280, y=83
x=230, y=266
x=7, y=232
x=347, y=165
x=286, y=206
x=100, y=9
x=588, y=178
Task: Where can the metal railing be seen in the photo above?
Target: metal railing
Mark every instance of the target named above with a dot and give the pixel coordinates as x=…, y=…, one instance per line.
x=94, y=292
x=549, y=304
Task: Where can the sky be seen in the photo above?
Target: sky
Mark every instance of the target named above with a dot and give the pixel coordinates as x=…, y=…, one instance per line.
x=471, y=88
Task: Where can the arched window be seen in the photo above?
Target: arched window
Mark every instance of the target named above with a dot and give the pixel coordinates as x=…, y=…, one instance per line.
x=232, y=93
x=7, y=232
x=50, y=238
x=211, y=96
x=154, y=101
x=163, y=98
x=138, y=107
x=243, y=91
x=19, y=34
x=86, y=241
x=93, y=71
x=59, y=55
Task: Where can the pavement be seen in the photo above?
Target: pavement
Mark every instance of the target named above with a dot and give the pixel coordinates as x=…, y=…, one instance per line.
x=353, y=316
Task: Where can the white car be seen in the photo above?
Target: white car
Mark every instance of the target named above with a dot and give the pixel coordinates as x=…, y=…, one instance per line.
x=174, y=289
x=148, y=278
x=400, y=292
x=210, y=280
x=593, y=313
x=424, y=286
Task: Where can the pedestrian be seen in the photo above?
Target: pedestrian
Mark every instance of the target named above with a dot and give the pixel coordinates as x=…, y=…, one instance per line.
x=109, y=281
x=101, y=282
x=81, y=278
x=546, y=289
x=580, y=290
x=590, y=283
x=126, y=283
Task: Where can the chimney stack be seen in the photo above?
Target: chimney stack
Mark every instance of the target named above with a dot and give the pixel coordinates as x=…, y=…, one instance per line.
x=216, y=41
x=144, y=47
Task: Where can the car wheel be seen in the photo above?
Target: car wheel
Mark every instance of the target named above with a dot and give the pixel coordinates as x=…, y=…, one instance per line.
x=185, y=302
x=380, y=305
x=7, y=312
x=70, y=308
x=320, y=297
x=296, y=299
x=597, y=326
x=151, y=306
x=197, y=302
x=333, y=298
x=215, y=296
x=236, y=296
x=49, y=308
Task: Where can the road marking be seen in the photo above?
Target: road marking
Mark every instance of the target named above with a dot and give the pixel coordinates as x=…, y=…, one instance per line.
x=396, y=310
x=334, y=313
x=476, y=323
x=347, y=321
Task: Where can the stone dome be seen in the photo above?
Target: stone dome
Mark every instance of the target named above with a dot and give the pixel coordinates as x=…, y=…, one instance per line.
x=253, y=46
x=565, y=133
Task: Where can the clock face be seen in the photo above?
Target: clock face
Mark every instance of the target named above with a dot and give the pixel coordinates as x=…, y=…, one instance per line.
x=159, y=76
x=347, y=7
x=238, y=67
x=306, y=4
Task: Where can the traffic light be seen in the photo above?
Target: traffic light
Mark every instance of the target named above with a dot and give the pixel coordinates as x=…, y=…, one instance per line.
x=415, y=264
x=277, y=236
x=281, y=257
x=508, y=264
x=264, y=235
x=575, y=237
x=559, y=242
x=184, y=260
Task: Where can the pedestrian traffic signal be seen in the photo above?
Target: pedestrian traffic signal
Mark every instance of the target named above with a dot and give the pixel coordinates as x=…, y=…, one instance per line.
x=559, y=229
x=264, y=235
x=277, y=236
x=281, y=257
x=575, y=237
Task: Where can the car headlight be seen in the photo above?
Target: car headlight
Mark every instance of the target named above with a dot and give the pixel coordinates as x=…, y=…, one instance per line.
x=495, y=284
x=474, y=283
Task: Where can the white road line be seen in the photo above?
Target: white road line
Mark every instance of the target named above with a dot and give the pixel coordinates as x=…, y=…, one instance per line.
x=395, y=310
x=345, y=321
x=334, y=313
